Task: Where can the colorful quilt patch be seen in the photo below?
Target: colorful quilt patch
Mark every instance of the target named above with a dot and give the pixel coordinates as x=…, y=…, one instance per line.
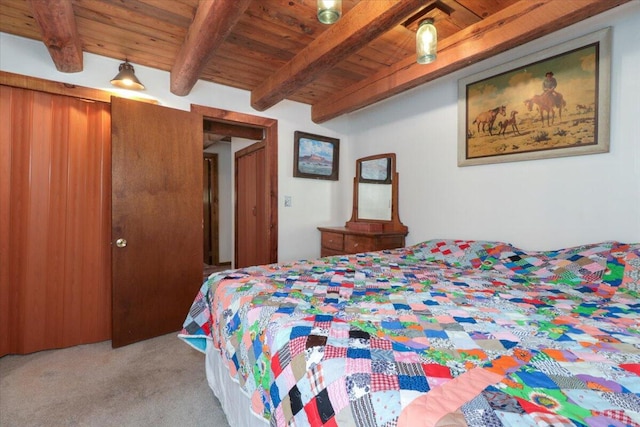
x=361, y=340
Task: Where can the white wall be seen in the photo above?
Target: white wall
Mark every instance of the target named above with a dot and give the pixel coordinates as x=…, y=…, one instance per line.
x=314, y=202
x=540, y=204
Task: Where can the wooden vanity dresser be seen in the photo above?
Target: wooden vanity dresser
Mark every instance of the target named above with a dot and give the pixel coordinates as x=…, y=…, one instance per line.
x=343, y=240
x=375, y=224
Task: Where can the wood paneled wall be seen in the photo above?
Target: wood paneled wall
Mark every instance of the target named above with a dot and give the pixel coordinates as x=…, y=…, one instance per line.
x=55, y=221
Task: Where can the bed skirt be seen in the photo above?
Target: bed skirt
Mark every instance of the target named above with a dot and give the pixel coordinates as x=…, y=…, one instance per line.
x=235, y=403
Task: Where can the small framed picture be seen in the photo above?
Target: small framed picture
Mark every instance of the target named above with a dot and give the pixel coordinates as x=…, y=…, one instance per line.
x=315, y=156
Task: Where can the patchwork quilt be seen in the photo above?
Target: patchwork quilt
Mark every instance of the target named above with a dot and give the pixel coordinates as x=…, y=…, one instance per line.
x=442, y=333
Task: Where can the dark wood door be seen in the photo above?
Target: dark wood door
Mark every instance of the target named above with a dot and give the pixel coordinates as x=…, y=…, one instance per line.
x=157, y=209
x=252, y=222
x=210, y=240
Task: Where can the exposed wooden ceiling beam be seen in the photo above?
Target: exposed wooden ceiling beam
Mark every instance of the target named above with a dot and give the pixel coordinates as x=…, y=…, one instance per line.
x=234, y=130
x=59, y=33
x=520, y=23
x=214, y=138
x=365, y=21
x=211, y=25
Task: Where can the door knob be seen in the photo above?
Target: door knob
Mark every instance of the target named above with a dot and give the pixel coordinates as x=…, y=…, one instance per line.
x=121, y=243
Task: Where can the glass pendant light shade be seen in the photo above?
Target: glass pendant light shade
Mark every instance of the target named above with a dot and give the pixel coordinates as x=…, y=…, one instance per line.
x=426, y=42
x=126, y=78
x=329, y=11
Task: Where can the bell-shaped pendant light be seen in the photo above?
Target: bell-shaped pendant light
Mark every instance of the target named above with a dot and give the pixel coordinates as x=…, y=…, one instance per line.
x=126, y=77
x=426, y=42
x=329, y=11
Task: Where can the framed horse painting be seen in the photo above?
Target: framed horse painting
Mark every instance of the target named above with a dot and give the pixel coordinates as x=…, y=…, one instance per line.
x=553, y=103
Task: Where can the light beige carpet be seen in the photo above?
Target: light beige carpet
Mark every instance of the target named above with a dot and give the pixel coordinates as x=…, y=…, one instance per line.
x=158, y=382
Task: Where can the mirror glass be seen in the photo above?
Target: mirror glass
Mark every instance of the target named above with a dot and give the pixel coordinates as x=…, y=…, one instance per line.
x=374, y=188
x=374, y=201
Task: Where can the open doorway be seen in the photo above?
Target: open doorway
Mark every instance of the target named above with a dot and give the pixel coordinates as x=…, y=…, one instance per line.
x=210, y=210
x=223, y=126
x=216, y=200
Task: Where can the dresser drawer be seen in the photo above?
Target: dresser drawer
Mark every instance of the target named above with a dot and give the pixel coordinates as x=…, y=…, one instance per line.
x=389, y=242
x=354, y=244
x=333, y=241
x=330, y=252
x=342, y=240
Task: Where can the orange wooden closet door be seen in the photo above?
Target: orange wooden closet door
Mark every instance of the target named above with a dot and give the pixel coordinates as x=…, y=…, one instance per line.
x=55, y=221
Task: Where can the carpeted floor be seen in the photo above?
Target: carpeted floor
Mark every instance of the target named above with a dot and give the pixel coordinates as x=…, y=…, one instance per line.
x=158, y=382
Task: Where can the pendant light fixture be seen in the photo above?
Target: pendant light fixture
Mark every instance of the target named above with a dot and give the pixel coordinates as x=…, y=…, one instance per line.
x=126, y=77
x=426, y=42
x=329, y=11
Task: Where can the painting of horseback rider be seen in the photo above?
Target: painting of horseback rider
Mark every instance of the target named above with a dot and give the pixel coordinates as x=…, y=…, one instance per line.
x=536, y=106
x=549, y=85
x=548, y=100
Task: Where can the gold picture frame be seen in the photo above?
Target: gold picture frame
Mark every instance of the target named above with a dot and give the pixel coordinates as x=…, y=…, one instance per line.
x=553, y=103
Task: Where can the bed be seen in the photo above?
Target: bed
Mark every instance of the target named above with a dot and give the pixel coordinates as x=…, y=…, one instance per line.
x=441, y=333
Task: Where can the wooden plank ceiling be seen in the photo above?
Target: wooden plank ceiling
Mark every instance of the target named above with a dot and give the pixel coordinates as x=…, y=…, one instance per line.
x=277, y=49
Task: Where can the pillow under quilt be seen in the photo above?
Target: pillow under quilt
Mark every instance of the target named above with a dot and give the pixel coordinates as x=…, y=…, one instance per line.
x=601, y=268
x=624, y=266
x=459, y=253
x=586, y=263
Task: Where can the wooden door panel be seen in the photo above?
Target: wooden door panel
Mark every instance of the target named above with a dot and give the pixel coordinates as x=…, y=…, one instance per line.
x=206, y=211
x=261, y=215
x=55, y=288
x=157, y=208
x=253, y=246
x=246, y=210
x=211, y=232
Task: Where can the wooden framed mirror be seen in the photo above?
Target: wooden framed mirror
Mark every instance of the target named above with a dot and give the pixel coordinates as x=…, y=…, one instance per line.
x=375, y=195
